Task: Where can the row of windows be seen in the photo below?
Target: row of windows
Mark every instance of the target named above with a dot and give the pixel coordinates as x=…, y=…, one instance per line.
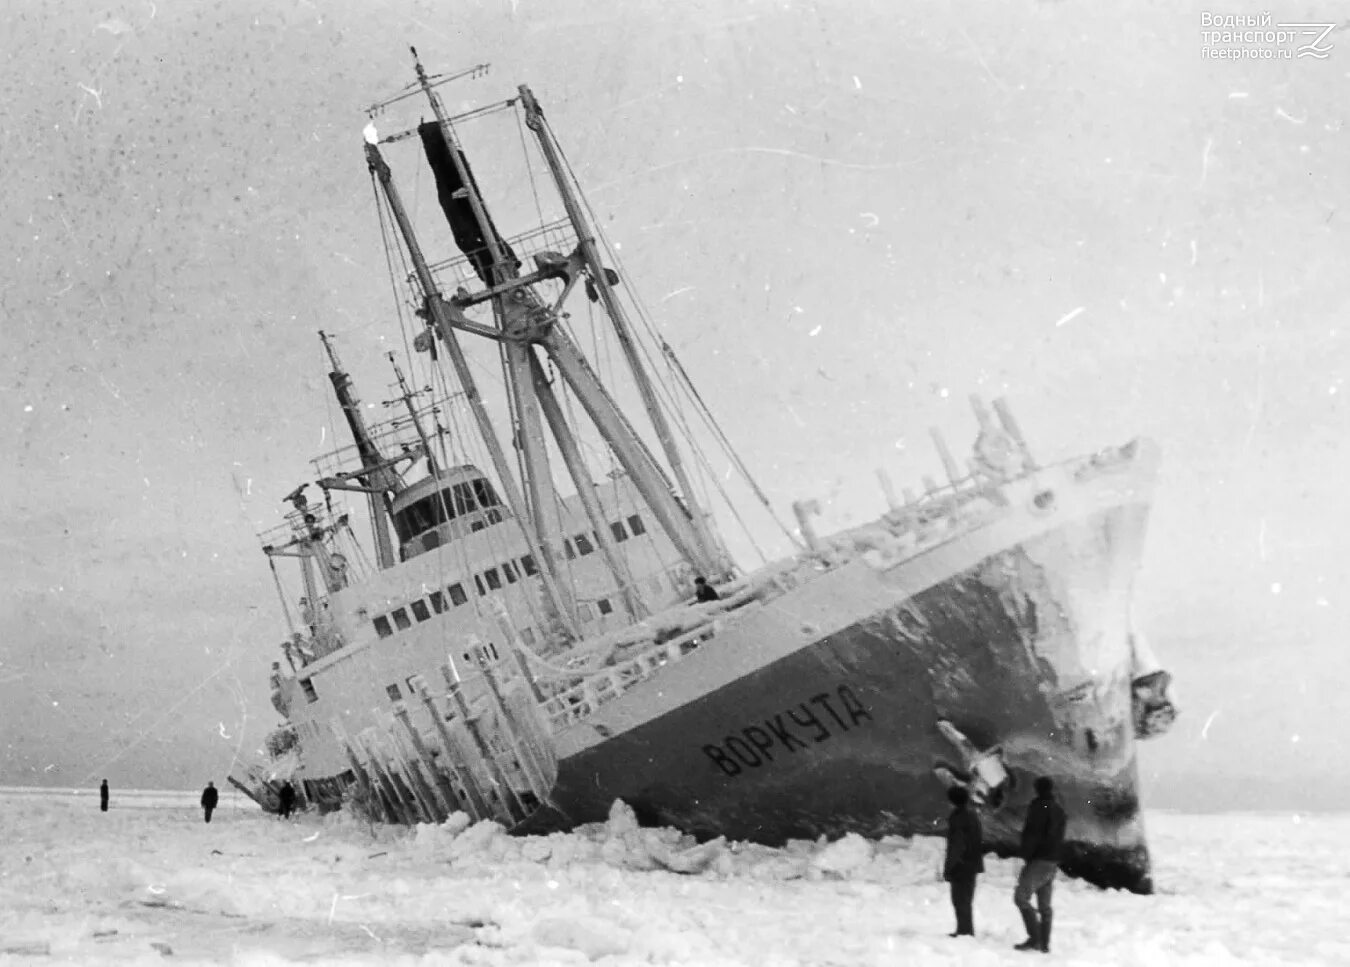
x=431, y=539
x=486, y=652
x=454, y=596
x=495, y=578
x=443, y=506
x=584, y=543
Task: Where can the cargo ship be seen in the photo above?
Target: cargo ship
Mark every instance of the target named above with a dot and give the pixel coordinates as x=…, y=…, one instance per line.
x=529, y=610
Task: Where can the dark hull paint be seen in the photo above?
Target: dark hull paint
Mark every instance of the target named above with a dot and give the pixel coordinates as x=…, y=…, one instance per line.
x=840, y=736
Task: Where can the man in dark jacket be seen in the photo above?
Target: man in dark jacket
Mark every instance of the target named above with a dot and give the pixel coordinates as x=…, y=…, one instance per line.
x=965, y=859
x=287, y=797
x=704, y=592
x=1042, y=844
x=103, y=796
x=209, y=799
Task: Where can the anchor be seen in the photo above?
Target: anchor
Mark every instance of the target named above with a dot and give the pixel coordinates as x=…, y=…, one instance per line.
x=1151, y=704
x=982, y=774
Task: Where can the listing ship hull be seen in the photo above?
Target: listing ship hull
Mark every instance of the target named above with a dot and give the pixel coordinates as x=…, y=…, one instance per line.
x=1016, y=634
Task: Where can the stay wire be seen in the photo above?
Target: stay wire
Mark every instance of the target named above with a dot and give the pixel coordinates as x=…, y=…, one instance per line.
x=385, y=235
x=529, y=166
x=705, y=413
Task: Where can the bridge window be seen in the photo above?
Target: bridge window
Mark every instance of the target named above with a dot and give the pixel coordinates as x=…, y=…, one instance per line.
x=419, y=610
x=483, y=491
x=437, y=600
x=424, y=515
x=464, y=502
x=457, y=595
x=493, y=579
x=567, y=549
x=478, y=583
x=528, y=566
x=307, y=687
x=604, y=607
x=584, y=545
x=401, y=619
x=636, y=526
x=393, y=692
x=509, y=570
x=382, y=627
x=620, y=532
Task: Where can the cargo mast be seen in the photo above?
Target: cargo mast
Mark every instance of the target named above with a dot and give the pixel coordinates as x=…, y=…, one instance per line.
x=524, y=321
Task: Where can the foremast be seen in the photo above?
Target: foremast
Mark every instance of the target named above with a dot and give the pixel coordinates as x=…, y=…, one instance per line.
x=523, y=321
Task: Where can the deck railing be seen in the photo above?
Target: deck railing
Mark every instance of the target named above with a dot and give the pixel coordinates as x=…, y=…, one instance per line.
x=573, y=704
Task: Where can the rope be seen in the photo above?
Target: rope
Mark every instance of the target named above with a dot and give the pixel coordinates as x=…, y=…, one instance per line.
x=705, y=413
x=366, y=570
x=529, y=167
x=385, y=233
x=281, y=594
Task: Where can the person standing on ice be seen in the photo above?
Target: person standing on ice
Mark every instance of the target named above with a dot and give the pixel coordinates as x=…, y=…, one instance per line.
x=103, y=796
x=209, y=799
x=1042, y=844
x=965, y=858
x=287, y=797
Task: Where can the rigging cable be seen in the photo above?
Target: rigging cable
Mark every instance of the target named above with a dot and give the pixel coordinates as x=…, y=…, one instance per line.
x=385, y=234
x=281, y=593
x=529, y=166
x=645, y=316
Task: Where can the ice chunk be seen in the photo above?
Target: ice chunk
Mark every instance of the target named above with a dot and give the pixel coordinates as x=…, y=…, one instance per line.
x=843, y=856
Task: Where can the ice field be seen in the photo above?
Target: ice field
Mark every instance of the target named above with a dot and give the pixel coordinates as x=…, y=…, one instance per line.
x=149, y=882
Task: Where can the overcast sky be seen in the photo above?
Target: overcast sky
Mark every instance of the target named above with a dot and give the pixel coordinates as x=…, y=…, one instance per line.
x=847, y=216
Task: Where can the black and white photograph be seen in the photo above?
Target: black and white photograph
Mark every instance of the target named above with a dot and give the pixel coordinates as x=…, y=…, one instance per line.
x=782, y=483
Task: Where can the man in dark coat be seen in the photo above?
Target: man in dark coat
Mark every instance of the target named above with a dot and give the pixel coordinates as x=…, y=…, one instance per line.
x=965, y=858
x=287, y=797
x=103, y=796
x=209, y=799
x=1042, y=846
x=704, y=592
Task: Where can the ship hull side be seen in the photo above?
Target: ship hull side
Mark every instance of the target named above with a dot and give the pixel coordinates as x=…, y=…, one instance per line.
x=1026, y=649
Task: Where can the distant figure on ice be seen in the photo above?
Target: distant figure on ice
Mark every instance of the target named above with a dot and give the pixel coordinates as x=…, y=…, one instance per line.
x=103, y=796
x=965, y=858
x=287, y=797
x=209, y=799
x=703, y=591
x=1042, y=844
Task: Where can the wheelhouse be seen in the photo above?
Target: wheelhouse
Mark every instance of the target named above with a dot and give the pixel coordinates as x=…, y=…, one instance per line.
x=443, y=507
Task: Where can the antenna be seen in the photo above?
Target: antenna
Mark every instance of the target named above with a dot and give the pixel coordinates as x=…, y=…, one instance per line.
x=429, y=80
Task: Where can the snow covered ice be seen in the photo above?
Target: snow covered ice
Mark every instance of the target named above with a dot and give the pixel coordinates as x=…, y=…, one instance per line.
x=149, y=881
